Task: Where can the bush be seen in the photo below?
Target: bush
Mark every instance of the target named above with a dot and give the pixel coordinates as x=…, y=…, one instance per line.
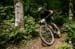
x=63, y=46
x=29, y=24
x=58, y=18
x=70, y=29
x=9, y=34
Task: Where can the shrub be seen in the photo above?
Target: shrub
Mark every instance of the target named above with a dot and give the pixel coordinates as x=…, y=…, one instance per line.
x=58, y=18
x=63, y=46
x=9, y=34
x=29, y=24
x=70, y=29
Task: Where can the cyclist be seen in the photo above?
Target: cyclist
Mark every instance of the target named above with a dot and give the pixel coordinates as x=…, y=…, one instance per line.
x=47, y=14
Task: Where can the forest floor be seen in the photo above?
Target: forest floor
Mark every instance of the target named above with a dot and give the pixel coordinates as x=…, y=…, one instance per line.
x=37, y=44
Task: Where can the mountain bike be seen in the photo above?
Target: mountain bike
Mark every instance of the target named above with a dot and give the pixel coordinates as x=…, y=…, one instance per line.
x=47, y=31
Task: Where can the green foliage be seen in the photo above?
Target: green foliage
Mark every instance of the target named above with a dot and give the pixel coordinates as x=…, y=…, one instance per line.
x=63, y=46
x=9, y=34
x=70, y=29
x=29, y=24
x=58, y=18
x=54, y=4
x=6, y=20
x=6, y=13
x=69, y=26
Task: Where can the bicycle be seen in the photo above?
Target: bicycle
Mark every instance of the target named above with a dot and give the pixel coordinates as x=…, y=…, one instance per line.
x=47, y=31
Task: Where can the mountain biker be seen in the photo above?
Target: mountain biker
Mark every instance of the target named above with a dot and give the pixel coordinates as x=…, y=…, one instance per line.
x=47, y=14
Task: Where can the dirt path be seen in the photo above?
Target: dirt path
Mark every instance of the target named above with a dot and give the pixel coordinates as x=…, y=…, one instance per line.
x=36, y=44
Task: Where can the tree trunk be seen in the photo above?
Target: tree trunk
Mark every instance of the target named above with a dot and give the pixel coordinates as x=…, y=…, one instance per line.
x=19, y=14
x=70, y=10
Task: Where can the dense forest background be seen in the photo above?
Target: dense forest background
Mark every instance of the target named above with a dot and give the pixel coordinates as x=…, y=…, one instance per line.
x=11, y=34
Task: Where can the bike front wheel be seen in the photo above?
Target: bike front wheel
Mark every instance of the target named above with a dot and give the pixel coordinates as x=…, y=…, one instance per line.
x=55, y=29
x=46, y=34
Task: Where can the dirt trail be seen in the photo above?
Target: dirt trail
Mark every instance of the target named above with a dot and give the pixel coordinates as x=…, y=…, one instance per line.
x=36, y=44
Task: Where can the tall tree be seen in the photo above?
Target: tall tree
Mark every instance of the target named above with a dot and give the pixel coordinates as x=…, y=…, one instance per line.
x=70, y=9
x=19, y=13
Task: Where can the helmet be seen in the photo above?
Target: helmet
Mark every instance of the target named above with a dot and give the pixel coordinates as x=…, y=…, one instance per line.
x=51, y=11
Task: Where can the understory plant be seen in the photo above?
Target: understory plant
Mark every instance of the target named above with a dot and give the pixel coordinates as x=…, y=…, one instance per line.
x=70, y=30
x=63, y=46
x=13, y=34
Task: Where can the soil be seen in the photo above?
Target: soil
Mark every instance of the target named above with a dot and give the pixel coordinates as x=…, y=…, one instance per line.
x=37, y=44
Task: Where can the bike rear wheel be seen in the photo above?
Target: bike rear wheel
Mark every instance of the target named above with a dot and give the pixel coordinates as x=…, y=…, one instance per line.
x=46, y=34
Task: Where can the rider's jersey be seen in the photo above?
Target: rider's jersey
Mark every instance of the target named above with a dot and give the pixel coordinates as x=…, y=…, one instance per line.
x=45, y=13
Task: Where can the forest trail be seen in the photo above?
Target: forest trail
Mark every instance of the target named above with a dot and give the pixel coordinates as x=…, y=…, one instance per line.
x=37, y=44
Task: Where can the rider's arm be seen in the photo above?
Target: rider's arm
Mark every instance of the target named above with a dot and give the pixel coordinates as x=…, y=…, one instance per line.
x=50, y=12
x=44, y=13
